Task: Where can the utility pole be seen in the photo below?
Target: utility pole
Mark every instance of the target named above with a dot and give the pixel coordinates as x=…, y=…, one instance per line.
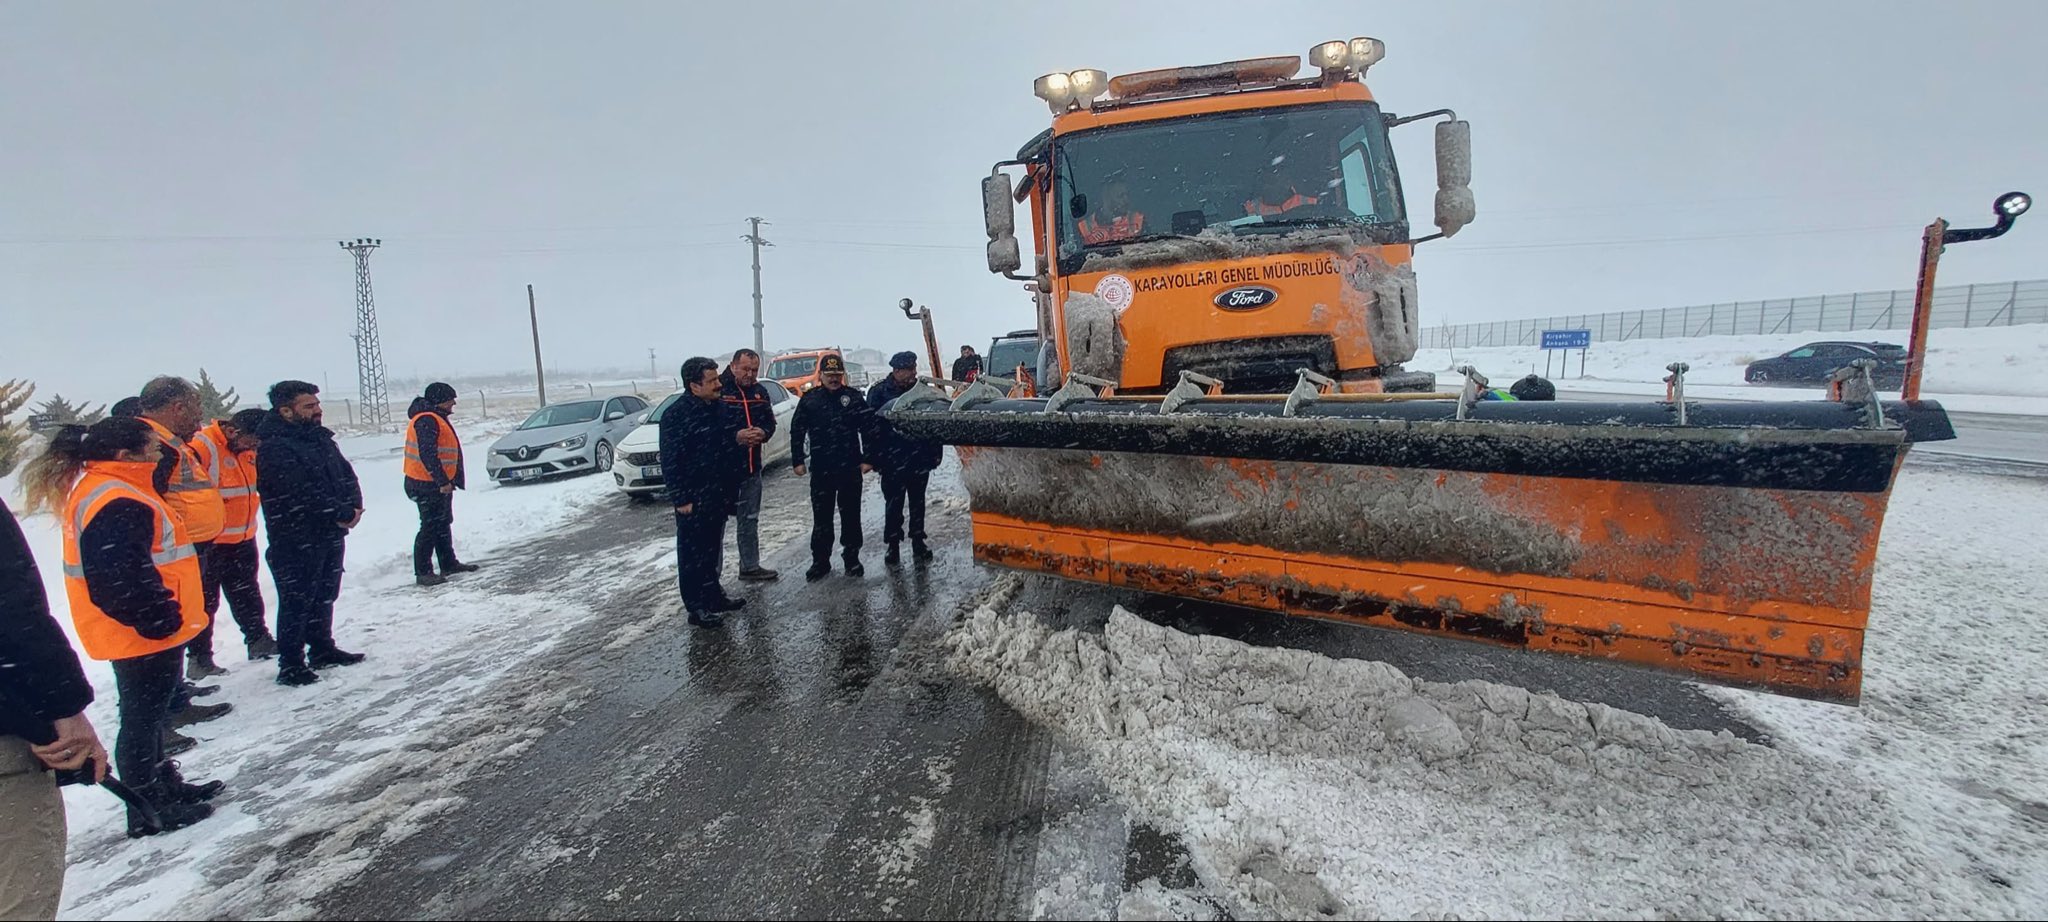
x=652, y=369
x=756, y=239
x=540, y=378
x=369, y=352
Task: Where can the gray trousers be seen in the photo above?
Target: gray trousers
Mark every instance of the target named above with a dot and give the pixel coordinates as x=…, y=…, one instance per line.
x=750, y=526
x=32, y=835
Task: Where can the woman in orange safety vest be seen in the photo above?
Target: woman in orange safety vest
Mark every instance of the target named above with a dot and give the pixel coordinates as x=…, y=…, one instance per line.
x=132, y=577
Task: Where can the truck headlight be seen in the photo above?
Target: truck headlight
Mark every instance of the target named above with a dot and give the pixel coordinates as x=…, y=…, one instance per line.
x=1329, y=55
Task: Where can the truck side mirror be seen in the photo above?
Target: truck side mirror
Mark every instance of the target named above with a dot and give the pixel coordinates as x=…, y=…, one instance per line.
x=1454, y=205
x=999, y=213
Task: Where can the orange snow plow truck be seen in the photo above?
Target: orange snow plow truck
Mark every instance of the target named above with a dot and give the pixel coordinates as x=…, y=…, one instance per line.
x=1225, y=294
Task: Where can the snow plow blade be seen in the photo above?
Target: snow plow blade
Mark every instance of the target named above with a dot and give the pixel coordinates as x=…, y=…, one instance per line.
x=1733, y=543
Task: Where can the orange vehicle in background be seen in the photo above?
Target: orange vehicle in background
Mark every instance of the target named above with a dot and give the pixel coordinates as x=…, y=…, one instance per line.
x=797, y=369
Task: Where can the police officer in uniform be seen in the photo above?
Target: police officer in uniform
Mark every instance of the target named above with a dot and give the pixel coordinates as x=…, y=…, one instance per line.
x=906, y=463
x=827, y=442
x=700, y=465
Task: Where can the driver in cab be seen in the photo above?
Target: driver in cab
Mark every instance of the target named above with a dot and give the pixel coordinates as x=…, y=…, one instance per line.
x=1277, y=196
x=1115, y=220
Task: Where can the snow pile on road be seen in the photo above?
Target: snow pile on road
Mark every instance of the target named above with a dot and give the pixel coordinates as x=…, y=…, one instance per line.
x=1309, y=786
x=1985, y=369
x=1954, y=694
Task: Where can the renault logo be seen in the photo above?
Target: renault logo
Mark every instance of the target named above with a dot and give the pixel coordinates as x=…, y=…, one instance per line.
x=1247, y=298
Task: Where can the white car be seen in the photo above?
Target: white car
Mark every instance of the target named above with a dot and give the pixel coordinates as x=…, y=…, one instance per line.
x=638, y=469
x=565, y=438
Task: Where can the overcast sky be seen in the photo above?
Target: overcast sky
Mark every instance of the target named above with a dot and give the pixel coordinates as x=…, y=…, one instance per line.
x=174, y=177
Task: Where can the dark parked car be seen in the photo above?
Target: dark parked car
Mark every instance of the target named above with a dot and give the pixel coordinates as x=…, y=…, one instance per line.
x=1814, y=362
x=1007, y=352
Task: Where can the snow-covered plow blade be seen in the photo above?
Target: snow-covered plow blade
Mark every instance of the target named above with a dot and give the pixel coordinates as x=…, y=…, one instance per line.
x=1731, y=542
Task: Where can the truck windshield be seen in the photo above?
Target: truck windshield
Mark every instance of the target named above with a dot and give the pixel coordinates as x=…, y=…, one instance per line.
x=1004, y=355
x=1238, y=173
x=792, y=368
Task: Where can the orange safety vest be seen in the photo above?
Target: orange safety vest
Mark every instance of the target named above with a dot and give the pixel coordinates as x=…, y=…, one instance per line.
x=1257, y=207
x=1120, y=227
x=192, y=494
x=236, y=483
x=448, y=447
x=177, y=562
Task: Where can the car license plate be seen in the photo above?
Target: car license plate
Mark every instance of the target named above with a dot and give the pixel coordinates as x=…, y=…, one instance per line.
x=522, y=473
x=651, y=473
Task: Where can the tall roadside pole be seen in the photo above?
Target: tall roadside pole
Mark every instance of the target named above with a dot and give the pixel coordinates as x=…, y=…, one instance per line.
x=755, y=238
x=540, y=378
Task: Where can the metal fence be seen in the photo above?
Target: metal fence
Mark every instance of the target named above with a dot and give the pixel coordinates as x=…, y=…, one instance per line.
x=1990, y=304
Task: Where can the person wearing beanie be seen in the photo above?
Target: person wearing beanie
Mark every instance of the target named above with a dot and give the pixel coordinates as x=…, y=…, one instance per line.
x=433, y=472
x=906, y=464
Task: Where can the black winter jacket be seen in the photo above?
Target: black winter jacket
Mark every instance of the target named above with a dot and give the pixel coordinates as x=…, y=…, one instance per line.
x=40, y=677
x=829, y=431
x=747, y=408
x=700, y=462
x=895, y=452
x=309, y=489
x=429, y=435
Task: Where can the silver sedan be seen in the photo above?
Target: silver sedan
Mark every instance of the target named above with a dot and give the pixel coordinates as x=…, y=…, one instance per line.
x=566, y=438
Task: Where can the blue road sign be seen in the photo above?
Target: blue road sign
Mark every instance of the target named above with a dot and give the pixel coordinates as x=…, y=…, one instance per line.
x=1567, y=339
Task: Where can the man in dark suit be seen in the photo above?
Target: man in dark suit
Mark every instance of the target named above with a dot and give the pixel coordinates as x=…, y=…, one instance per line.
x=700, y=464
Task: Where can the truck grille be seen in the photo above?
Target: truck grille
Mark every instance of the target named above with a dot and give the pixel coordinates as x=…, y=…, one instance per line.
x=1253, y=365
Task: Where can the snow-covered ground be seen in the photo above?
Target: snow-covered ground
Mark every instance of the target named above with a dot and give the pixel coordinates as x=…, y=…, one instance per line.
x=1981, y=370
x=426, y=708
x=1304, y=786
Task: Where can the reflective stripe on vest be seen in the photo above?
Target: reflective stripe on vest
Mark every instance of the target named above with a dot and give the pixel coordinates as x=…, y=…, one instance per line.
x=1257, y=207
x=1118, y=228
x=235, y=479
x=192, y=495
x=171, y=551
x=447, y=450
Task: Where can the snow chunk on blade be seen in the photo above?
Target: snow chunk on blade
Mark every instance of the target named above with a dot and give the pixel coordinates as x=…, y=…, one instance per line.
x=1309, y=786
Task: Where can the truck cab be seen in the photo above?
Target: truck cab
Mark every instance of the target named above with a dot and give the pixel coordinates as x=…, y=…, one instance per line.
x=1236, y=220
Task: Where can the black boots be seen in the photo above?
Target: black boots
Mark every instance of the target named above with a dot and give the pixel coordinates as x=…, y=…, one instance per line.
x=853, y=567
x=262, y=648
x=819, y=570
x=919, y=549
x=461, y=568
x=895, y=555
x=296, y=675
x=181, y=791
x=760, y=575
x=199, y=665
x=334, y=656
x=200, y=713
x=176, y=743
x=430, y=579
x=707, y=619
x=171, y=813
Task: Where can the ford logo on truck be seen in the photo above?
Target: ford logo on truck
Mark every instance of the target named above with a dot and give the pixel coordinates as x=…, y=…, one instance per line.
x=1247, y=298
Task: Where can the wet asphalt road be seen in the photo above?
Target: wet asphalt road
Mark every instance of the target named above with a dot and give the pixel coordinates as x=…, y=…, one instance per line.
x=814, y=759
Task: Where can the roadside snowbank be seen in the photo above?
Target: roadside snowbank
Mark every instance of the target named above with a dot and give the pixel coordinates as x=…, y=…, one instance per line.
x=1305, y=786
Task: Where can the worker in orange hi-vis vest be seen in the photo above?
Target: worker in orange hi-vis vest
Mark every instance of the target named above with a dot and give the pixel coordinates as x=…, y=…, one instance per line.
x=433, y=472
x=131, y=576
x=228, y=450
